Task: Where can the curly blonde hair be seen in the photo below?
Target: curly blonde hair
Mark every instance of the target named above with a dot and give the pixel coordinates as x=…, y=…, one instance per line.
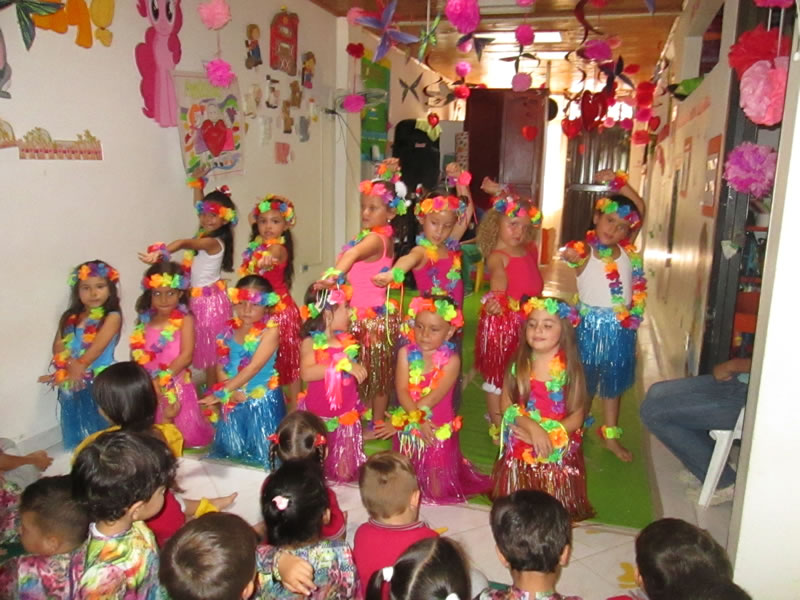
x=489, y=230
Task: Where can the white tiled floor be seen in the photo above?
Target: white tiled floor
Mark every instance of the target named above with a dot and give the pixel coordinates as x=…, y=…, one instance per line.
x=603, y=556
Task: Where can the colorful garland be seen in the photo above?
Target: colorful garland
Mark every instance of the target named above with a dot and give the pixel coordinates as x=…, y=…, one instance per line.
x=559, y=438
x=255, y=251
x=165, y=280
x=553, y=306
x=266, y=299
x=347, y=419
x=453, y=275
x=624, y=212
x=418, y=387
x=74, y=349
x=209, y=207
x=440, y=204
x=94, y=268
x=620, y=181
x=511, y=205
x=507, y=304
x=344, y=355
x=361, y=314
x=207, y=290
x=279, y=204
x=144, y=357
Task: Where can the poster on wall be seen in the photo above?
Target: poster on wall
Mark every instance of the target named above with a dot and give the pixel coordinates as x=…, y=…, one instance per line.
x=210, y=123
x=712, y=176
x=375, y=119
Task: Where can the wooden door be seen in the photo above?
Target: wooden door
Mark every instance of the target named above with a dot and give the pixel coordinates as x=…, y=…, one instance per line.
x=521, y=159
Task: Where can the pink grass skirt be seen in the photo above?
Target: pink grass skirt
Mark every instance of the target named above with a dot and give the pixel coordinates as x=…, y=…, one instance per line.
x=196, y=429
x=212, y=311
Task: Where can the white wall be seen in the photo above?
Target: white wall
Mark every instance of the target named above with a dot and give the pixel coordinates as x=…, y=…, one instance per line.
x=62, y=213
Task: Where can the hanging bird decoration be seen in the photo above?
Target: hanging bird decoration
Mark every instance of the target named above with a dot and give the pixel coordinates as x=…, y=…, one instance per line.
x=614, y=71
x=427, y=38
x=470, y=41
x=389, y=34
x=438, y=93
x=25, y=11
x=410, y=88
x=580, y=14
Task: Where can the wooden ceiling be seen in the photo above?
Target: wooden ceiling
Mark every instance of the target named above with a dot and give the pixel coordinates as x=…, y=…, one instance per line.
x=643, y=36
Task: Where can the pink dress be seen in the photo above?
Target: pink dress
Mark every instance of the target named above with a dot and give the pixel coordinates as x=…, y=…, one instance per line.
x=196, y=429
x=432, y=278
x=497, y=336
x=445, y=476
x=288, y=361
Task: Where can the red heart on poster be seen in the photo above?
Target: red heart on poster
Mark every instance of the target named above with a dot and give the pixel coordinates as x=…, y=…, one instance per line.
x=654, y=123
x=529, y=132
x=433, y=119
x=214, y=135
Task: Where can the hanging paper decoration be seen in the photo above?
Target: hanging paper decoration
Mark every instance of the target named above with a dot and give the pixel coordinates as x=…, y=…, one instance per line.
x=750, y=169
x=102, y=13
x=427, y=38
x=614, y=71
x=253, y=45
x=463, y=14
x=389, y=34
x=461, y=92
x=156, y=58
x=640, y=137
x=355, y=50
x=410, y=88
x=309, y=66
x=654, y=123
x=5, y=68
x=27, y=11
x=596, y=50
x=430, y=126
x=283, y=42
x=353, y=103
x=774, y=3
x=580, y=14
x=75, y=13
x=438, y=93
x=571, y=127
x=219, y=73
x=755, y=45
x=521, y=82
x=525, y=3
x=682, y=90
x=463, y=69
x=593, y=109
x=37, y=144
x=762, y=91
x=643, y=115
x=524, y=34
x=529, y=132
x=214, y=14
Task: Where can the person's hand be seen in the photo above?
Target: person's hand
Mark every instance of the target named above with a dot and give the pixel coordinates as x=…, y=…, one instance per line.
x=723, y=371
x=239, y=397
x=201, y=171
x=493, y=307
x=384, y=430
x=359, y=372
x=75, y=372
x=392, y=163
x=170, y=411
x=491, y=187
x=570, y=255
x=149, y=258
x=40, y=459
x=427, y=434
x=323, y=284
x=453, y=169
x=209, y=400
x=297, y=575
x=383, y=279
x=532, y=433
x=604, y=176
x=46, y=379
x=267, y=261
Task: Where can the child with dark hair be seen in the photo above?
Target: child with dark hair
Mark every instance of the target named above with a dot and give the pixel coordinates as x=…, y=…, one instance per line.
x=248, y=390
x=533, y=534
x=87, y=334
x=329, y=365
x=121, y=477
x=434, y=569
x=671, y=553
x=390, y=493
x=53, y=531
x=211, y=558
x=294, y=504
x=163, y=343
x=718, y=589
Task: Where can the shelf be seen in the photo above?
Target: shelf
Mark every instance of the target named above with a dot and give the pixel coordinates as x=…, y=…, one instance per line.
x=743, y=279
x=756, y=228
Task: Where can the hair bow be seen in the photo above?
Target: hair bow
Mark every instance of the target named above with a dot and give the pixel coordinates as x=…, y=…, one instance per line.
x=387, y=573
x=273, y=438
x=225, y=190
x=320, y=440
x=280, y=502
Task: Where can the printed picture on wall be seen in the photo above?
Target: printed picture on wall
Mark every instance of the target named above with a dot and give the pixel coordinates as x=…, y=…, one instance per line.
x=211, y=124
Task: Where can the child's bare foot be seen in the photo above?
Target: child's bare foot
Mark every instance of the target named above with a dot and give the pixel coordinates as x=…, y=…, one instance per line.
x=621, y=451
x=225, y=501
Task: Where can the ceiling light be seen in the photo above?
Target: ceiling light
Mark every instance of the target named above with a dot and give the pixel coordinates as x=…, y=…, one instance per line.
x=551, y=55
x=509, y=37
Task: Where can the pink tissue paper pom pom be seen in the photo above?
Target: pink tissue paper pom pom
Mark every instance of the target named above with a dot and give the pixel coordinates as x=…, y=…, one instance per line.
x=643, y=115
x=750, y=169
x=521, y=82
x=219, y=73
x=353, y=103
x=524, y=34
x=463, y=68
x=774, y=3
x=524, y=3
x=626, y=124
x=463, y=14
x=355, y=13
x=609, y=122
x=214, y=14
x=598, y=50
x=762, y=91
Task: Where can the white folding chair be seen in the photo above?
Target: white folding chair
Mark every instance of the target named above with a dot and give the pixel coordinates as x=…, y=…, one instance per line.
x=724, y=439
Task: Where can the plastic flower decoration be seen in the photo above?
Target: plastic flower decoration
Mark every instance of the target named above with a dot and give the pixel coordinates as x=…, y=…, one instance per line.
x=512, y=206
x=609, y=206
x=95, y=268
x=277, y=203
x=215, y=208
x=750, y=169
x=554, y=307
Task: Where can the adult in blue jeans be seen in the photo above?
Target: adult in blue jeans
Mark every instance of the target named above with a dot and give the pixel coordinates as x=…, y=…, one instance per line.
x=681, y=412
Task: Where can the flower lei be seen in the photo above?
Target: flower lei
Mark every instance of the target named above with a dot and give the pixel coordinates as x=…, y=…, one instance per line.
x=255, y=251
x=444, y=307
x=453, y=275
x=553, y=306
x=279, y=204
x=559, y=439
x=628, y=317
x=144, y=357
x=95, y=268
x=384, y=230
x=338, y=360
x=379, y=190
x=440, y=204
x=625, y=212
x=74, y=348
x=511, y=206
x=209, y=207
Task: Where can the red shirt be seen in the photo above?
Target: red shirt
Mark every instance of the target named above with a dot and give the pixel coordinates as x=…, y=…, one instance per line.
x=168, y=520
x=336, y=526
x=377, y=545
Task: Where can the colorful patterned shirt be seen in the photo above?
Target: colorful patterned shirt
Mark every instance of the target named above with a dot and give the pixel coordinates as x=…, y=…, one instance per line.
x=38, y=577
x=513, y=593
x=122, y=567
x=9, y=511
x=334, y=571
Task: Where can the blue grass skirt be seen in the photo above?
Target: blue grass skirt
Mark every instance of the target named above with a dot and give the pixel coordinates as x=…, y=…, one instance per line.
x=79, y=416
x=608, y=352
x=242, y=433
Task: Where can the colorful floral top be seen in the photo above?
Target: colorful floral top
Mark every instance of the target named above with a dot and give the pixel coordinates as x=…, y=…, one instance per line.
x=37, y=577
x=123, y=567
x=9, y=511
x=513, y=593
x=334, y=571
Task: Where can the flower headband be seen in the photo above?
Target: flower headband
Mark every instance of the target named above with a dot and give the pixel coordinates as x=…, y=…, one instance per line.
x=277, y=203
x=326, y=299
x=625, y=212
x=444, y=307
x=95, y=268
x=167, y=280
x=393, y=200
x=209, y=207
x=439, y=204
x=553, y=306
x=511, y=206
x=239, y=295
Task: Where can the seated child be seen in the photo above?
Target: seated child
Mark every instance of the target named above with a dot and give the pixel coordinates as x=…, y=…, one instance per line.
x=719, y=589
x=294, y=504
x=391, y=495
x=210, y=558
x=432, y=568
x=672, y=552
x=53, y=532
x=533, y=535
x=121, y=477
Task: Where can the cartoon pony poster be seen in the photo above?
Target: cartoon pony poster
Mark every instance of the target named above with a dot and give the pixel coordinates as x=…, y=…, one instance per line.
x=210, y=123
x=156, y=58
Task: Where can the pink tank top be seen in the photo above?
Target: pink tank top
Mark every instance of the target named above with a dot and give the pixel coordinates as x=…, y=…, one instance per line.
x=168, y=354
x=540, y=400
x=317, y=401
x=522, y=274
x=437, y=270
x=365, y=293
